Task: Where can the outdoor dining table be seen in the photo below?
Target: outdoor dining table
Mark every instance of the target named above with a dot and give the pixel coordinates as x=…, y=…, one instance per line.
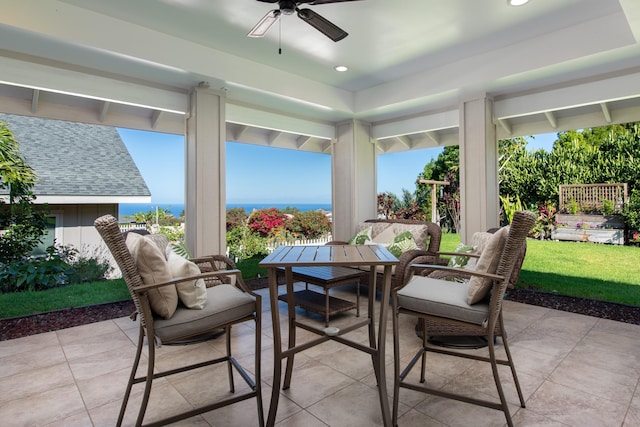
x=288, y=257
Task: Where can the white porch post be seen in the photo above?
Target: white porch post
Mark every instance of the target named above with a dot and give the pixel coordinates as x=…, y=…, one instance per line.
x=354, y=177
x=478, y=167
x=205, y=199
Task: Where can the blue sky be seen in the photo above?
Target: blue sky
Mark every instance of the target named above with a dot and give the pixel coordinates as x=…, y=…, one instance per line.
x=257, y=174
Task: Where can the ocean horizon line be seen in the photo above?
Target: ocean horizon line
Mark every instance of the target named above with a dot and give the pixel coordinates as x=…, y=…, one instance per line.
x=129, y=209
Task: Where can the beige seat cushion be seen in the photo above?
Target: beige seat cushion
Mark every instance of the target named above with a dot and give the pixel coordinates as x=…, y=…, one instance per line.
x=193, y=294
x=488, y=262
x=225, y=303
x=441, y=298
x=153, y=268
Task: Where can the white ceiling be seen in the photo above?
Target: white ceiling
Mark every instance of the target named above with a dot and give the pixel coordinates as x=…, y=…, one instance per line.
x=550, y=65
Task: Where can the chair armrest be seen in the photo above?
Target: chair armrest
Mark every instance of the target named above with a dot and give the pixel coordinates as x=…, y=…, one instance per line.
x=459, y=271
x=407, y=259
x=142, y=289
x=213, y=259
x=468, y=255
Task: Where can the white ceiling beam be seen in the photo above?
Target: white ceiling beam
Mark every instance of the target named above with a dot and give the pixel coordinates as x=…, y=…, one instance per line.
x=326, y=148
x=156, y=116
x=551, y=119
x=103, y=111
x=433, y=135
x=581, y=121
x=34, y=100
x=44, y=77
x=504, y=123
x=605, y=111
x=302, y=140
x=273, y=136
x=606, y=90
x=404, y=140
x=239, y=132
x=416, y=124
x=250, y=115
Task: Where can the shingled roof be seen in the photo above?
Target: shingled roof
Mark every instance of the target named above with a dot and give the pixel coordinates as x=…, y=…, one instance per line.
x=75, y=161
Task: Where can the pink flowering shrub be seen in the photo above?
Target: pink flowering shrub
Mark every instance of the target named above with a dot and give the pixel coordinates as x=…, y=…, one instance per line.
x=266, y=222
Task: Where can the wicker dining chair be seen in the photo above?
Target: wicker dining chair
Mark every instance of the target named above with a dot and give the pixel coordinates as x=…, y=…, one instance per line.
x=226, y=305
x=452, y=309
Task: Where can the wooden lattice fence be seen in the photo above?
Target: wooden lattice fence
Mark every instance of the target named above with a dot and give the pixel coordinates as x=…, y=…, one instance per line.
x=589, y=198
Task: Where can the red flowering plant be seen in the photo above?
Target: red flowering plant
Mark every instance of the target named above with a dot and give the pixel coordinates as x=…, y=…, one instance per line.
x=267, y=222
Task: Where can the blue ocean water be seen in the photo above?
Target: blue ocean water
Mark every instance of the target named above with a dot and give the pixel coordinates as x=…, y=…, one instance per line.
x=128, y=209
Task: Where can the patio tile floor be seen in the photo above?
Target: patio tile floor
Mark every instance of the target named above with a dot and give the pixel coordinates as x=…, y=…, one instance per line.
x=575, y=370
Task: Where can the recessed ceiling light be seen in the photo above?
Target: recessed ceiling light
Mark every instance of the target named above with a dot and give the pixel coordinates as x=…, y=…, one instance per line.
x=341, y=68
x=517, y=2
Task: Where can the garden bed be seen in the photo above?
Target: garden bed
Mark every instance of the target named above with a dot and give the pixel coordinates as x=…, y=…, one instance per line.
x=46, y=322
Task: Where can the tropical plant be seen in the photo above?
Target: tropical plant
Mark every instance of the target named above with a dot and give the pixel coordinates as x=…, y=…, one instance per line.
x=244, y=244
x=631, y=211
x=510, y=207
x=235, y=217
x=22, y=225
x=309, y=224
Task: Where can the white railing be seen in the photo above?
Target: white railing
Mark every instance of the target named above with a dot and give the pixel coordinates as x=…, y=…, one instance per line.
x=132, y=226
x=272, y=245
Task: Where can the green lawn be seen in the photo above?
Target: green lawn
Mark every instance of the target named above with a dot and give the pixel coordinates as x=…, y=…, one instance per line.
x=23, y=303
x=604, y=272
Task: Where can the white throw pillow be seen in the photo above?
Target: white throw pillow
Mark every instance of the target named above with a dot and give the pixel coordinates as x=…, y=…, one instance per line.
x=362, y=237
x=461, y=261
x=489, y=258
x=153, y=268
x=385, y=237
x=193, y=294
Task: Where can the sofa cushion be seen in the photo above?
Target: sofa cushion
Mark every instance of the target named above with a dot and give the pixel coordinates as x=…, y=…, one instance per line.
x=441, y=298
x=461, y=261
x=376, y=227
x=385, y=236
x=153, y=268
x=362, y=237
x=488, y=262
x=401, y=243
x=193, y=294
x=225, y=303
x=418, y=231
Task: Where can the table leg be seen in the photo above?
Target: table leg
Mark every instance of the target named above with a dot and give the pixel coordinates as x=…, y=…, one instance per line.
x=371, y=315
x=277, y=346
x=291, y=309
x=382, y=333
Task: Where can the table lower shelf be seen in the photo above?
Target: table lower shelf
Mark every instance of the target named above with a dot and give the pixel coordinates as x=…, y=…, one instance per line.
x=316, y=302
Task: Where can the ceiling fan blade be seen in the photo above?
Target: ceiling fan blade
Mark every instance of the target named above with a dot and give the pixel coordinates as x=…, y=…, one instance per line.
x=261, y=28
x=314, y=2
x=321, y=24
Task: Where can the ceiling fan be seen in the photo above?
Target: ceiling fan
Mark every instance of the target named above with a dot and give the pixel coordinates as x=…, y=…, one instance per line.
x=288, y=7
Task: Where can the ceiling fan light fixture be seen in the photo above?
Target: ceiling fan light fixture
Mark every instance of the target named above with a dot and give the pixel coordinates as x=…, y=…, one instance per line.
x=517, y=2
x=261, y=28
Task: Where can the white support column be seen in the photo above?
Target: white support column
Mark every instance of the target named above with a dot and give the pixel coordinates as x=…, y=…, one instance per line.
x=205, y=199
x=478, y=167
x=354, y=177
